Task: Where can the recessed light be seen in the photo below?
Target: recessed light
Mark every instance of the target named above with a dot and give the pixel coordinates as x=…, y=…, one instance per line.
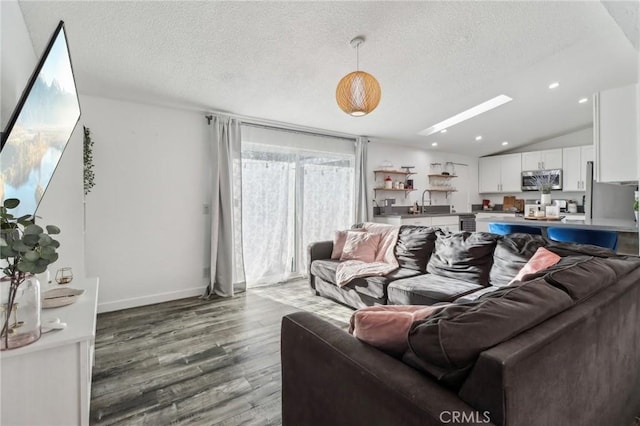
x=478, y=138
x=465, y=115
x=583, y=100
x=505, y=143
x=443, y=131
x=554, y=85
x=434, y=144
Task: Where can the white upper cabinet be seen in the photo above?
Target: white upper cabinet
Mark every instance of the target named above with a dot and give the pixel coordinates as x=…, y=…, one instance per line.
x=511, y=173
x=542, y=160
x=574, y=167
x=615, y=131
x=501, y=173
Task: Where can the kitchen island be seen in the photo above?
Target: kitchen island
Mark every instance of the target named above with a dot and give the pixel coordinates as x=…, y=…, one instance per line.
x=617, y=225
x=627, y=229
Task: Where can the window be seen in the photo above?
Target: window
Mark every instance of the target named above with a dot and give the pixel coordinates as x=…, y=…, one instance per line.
x=291, y=196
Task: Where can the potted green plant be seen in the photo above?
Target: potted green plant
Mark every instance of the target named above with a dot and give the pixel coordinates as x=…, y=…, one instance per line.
x=635, y=208
x=26, y=249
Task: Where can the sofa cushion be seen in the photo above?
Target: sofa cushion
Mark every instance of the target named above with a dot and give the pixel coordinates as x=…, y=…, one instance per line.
x=378, y=286
x=511, y=254
x=325, y=269
x=570, y=249
x=464, y=256
x=386, y=327
x=541, y=260
x=470, y=297
x=591, y=275
x=447, y=344
x=428, y=289
x=415, y=246
x=375, y=287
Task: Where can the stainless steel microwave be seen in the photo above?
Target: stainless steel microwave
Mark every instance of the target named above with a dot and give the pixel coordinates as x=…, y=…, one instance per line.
x=531, y=179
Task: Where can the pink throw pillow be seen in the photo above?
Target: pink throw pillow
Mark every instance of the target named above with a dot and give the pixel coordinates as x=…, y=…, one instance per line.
x=386, y=327
x=339, y=238
x=542, y=259
x=360, y=246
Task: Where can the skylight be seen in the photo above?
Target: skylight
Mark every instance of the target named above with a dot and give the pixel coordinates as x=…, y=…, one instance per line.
x=465, y=115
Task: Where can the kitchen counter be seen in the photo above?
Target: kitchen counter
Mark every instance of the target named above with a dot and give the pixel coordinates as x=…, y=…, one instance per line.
x=411, y=215
x=618, y=225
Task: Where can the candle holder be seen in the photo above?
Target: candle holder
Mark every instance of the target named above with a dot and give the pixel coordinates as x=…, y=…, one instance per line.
x=64, y=275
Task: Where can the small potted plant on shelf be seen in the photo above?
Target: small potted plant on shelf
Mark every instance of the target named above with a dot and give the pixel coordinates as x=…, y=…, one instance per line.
x=26, y=249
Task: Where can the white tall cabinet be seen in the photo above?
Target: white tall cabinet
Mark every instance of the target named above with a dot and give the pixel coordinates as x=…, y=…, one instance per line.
x=615, y=131
x=574, y=167
x=542, y=160
x=501, y=173
x=49, y=381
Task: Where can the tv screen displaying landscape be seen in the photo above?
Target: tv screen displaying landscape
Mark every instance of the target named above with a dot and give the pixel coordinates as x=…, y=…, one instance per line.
x=40, y=127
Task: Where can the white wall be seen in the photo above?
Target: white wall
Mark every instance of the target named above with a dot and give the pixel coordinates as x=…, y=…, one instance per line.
x=466, y=183
x=62, y=203
x=577, y=138
x=17, y=59
x=146, y=235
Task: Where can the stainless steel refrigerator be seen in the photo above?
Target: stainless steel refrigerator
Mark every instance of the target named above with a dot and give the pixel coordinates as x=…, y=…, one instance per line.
x=607, y=200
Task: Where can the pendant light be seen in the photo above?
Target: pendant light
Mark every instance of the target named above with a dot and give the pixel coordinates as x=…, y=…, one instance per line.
x=358, y=93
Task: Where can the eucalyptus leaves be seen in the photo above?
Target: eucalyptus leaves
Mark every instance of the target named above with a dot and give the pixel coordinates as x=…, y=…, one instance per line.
x=89, y=174
x=25, y=248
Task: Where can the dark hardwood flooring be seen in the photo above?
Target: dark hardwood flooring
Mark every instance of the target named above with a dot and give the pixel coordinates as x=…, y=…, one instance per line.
x=195, y=362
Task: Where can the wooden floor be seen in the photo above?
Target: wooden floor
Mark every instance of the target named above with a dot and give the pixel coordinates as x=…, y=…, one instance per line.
x=194, y=362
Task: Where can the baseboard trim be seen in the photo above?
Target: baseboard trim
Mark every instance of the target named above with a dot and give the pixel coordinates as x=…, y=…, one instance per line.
x=151, y=299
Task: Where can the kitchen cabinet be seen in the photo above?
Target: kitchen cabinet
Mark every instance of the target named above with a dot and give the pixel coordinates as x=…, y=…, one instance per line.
x=484, y=226
x=542, y=160
x=615, y=133
x=448, y=223
x=500, y=173
x=574, y=167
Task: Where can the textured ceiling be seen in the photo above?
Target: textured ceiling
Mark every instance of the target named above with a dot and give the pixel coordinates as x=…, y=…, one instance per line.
x=282, y=60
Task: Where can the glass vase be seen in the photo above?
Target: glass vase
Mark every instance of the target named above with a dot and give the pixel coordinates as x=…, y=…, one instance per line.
x=19, y=312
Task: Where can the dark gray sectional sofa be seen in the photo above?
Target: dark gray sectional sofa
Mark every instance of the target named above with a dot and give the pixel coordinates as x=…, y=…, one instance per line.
x=436, y=266
x=560, y=347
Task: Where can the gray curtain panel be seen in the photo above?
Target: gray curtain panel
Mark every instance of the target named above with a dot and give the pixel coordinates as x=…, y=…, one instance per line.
x=227, y=269
x=361, y=193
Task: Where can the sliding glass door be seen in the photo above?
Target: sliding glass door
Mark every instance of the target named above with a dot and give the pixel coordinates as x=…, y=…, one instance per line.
x=290, y=198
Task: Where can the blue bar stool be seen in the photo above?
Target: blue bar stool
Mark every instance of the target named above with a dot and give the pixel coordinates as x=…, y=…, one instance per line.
x=507, y=228
x=607, y=239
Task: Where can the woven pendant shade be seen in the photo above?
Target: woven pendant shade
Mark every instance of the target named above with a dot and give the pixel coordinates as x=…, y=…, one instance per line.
x=358, y=93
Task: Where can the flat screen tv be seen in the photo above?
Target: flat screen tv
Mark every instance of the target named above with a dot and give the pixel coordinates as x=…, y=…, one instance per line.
x=39, y=128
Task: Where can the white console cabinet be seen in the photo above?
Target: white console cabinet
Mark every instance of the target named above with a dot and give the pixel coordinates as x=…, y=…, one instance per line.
x=49, y=382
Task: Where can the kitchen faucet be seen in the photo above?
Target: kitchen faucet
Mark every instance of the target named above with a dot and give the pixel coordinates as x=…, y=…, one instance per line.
x=422, y=202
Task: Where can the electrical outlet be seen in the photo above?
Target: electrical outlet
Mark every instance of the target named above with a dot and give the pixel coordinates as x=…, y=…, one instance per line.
x=206, y=272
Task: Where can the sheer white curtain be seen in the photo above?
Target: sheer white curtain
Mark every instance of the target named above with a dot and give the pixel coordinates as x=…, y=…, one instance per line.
x=227, y=270
x=292, y=195
x=268, y=177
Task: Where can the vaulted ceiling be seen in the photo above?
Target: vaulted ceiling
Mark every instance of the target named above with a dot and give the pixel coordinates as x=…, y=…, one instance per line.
x=282, y=60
